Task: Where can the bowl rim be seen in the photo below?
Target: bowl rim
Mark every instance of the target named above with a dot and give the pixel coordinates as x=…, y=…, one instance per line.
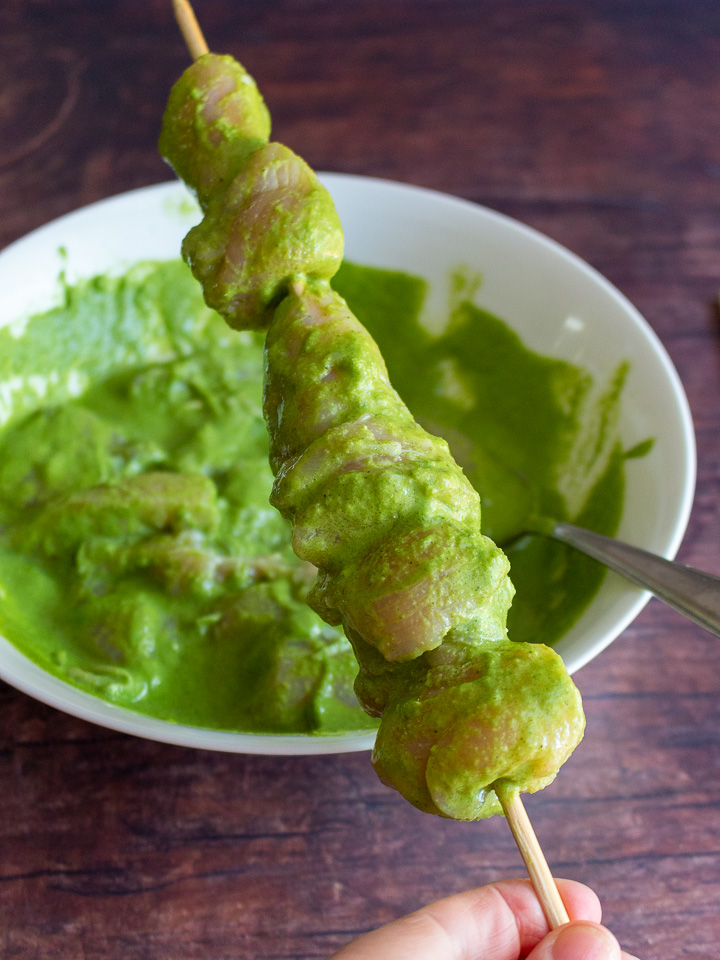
x=23, y=673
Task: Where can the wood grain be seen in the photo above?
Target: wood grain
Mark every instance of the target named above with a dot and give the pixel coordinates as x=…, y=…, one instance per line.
x=599, y=124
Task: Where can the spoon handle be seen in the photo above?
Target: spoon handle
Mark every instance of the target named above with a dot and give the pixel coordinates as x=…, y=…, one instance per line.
x=693, y=593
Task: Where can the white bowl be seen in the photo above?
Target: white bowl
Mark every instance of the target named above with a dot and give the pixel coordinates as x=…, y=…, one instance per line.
x=532, y=282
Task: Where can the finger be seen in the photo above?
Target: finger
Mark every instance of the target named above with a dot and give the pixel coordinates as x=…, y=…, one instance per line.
x=580, y=940
x=500, y=921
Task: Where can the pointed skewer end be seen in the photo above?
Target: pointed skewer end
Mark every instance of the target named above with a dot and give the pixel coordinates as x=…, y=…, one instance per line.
x=190, y=28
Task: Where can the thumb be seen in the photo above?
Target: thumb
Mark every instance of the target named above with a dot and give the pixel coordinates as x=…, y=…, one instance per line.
x=581, y=940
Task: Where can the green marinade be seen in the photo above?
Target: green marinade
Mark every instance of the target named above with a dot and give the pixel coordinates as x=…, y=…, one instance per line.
x=139, y=557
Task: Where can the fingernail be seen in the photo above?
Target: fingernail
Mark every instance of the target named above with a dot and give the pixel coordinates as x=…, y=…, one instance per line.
x=581, y=941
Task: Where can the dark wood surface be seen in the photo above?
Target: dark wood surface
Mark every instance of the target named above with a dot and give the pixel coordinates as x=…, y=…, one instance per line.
x=599, y=124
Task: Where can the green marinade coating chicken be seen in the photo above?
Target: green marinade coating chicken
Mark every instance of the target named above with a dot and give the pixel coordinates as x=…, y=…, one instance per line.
x=377, y=504
x=267, y=218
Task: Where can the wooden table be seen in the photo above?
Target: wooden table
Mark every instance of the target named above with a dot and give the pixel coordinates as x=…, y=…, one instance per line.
x=599, y=124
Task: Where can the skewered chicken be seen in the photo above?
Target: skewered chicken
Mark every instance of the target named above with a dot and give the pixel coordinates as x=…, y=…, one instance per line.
x=377, y=504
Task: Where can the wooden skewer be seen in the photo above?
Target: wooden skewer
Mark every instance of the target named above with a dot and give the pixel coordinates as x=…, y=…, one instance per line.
x=522, y=830
x=190, y=28
x=533, y=857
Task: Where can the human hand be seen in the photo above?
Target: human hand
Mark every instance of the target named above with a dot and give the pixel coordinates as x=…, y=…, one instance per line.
x=501, y=921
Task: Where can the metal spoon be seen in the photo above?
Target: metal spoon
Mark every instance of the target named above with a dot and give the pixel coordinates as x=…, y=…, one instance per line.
x=691, y=592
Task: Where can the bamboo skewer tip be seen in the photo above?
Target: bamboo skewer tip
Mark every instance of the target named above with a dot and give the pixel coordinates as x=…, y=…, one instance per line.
x=190, y=28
